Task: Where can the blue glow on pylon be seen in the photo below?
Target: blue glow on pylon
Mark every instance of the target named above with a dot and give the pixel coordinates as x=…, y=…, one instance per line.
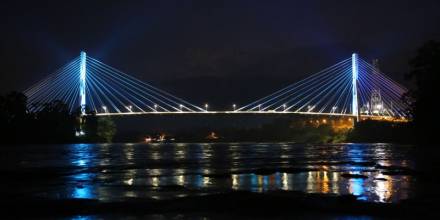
x=82, y=79
x=354, y=76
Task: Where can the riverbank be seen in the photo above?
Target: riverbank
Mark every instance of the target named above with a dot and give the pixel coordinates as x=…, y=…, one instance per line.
x=231, y=205
x=311, y=129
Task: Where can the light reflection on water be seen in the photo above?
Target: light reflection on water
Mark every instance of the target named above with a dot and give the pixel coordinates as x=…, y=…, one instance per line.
x=113, y=171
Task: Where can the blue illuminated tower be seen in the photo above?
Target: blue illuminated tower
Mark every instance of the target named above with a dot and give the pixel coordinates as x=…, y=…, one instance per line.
x=82, y=82
x=354, y=76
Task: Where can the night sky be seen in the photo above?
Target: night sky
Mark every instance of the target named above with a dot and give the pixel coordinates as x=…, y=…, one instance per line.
x=220, y=52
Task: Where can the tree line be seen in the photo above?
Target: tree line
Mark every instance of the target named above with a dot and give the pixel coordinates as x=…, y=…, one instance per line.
x=52, y=122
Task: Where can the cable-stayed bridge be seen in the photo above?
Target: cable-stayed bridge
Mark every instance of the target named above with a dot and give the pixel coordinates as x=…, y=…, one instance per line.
x=352, y=87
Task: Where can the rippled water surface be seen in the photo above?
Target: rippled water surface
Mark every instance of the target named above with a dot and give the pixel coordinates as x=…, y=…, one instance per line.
x=120, y=171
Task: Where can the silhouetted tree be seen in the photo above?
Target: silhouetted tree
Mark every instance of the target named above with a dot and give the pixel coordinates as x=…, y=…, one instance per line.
x=106, y=129
x=425, y=73
x=381, y=131
x=51, y=123
x=98, y=129
x=54, y=123
x=13, y=116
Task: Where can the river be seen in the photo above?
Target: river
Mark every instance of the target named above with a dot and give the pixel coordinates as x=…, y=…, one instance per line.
x=118, y=171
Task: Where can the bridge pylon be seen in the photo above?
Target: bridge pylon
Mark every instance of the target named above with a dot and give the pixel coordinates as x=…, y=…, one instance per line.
x=82, y=81
x=354, y=76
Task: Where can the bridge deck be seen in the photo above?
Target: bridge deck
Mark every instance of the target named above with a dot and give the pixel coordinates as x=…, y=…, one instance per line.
x=377, y=117
x=221, y=112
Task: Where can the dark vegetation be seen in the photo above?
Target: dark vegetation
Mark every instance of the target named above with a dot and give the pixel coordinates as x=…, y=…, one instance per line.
x=98, y=129
x=369, y=131
x=425, y=74
x=293, y=129
x=52, y=123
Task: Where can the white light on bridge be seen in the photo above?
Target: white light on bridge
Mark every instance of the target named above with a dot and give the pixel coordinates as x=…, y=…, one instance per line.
x=206, y=107
x=155, y=107
x=181, y=107
x=129, y=108
x=234, y=106
x=284, y=107
x=105, y=109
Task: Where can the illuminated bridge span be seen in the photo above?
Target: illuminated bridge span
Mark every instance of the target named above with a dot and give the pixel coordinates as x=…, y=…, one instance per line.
x=352, y=87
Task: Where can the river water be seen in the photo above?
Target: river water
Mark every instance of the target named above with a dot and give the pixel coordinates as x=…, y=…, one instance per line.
x=120, y=171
